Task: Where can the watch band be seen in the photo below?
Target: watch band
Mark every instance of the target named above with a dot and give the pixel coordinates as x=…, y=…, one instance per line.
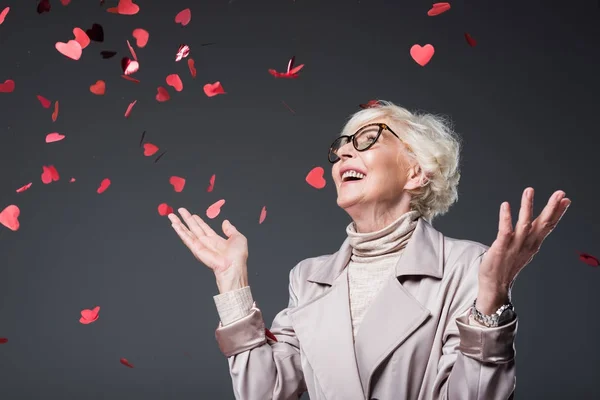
x=490, y=321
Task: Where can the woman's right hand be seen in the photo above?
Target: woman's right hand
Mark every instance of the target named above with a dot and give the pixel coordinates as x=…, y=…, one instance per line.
x=226, y=257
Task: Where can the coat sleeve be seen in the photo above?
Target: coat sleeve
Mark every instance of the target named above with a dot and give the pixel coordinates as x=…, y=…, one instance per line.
x=263, y=369
x=477, y=363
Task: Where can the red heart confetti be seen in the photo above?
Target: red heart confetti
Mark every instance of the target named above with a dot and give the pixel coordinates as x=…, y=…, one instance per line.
x=129, y=78
x=43, y=6
x=177, y=182
x=213, y=89
x=71, y=49
x=65, y=2
x=150, y=150
x=263, y=215
x=132, y=51
x=164, y=209
x=211, y=184
x=125, y=7
x=589, y=259
x=44, y=101
x=174, y=81
x=162, y=94
x=129, y=108
x=9, y=217
x=55, y=112
x=3, y=340
x=183, y=17
x=141, y=37
x=192, y=67
x=182, y=52
x=470, y=40
x=215, y=209
x=81, y=37
x=72, y=180
x=129, y=66
x=126, y=363
x=103, y=186
x=49, y=174
x=438, y=8
x=315, y=178
x=422, y=55
x=24, y=188
x=107, y=54
x=270, y=335
x=98, y=88
x=8, y=86
x=370, y=104
x=89, y=316
x=54, y=137
x=3, y=14
x=291, y=73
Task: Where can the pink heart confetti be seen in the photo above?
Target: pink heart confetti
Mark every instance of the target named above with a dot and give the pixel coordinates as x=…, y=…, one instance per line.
x=177, y=182
x=215, y=209
x=315, y=178
x=183, y=17
x=422, y=55
x=54, y=137
x=9, y=217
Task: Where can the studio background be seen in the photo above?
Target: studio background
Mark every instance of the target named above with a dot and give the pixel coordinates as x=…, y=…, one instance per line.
x=524, y=101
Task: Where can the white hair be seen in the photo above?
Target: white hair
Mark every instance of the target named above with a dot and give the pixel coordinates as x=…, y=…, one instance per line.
x=433, y=145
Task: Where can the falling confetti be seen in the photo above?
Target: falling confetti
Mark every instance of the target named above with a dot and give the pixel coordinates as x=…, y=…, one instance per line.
x=175, y=82
x=108, y=54
x=98, y=88
x=470, y=40
x=589, y=259
x=43, y=6
x=3, y=14
x=150, y=150
x=71, y=49
x=9, y=217
x=81, y=37
x=129, y=66
x=177, y=182
x=315, y=178
x=129, y=108
x=192, y=67
x=263, y=215
x=24, y=188
x=213, y=89
x=89, y=316
x=125, y=7
x=141, y=37
x=55, y=112
x=44, y=101
x=161, y=94
x=370, y=104
x=438, y=8
x=54, y=137
x=103, y=186
x=183, y=17
x=291, y=72
x=96, y=33
x=164, y=209
x=182, y=52
x=49, y=174
x=211, y=184
x=422, y=55
x=8, y=86
x=126, y=363
x=215, y=209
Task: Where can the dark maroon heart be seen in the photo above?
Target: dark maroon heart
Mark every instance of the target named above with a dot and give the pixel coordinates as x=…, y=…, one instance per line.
x=108, y=53
x=96, y=33
x=43, y=6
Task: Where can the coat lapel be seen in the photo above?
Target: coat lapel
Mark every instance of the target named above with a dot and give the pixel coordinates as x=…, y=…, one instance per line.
x=395, y=314
x=324, y=330
x=345, y=366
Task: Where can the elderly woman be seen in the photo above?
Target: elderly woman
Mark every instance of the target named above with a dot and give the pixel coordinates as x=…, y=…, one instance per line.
x=400, y=311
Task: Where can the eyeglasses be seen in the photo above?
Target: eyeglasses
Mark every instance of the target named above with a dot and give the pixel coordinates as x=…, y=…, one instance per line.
x=362, y=140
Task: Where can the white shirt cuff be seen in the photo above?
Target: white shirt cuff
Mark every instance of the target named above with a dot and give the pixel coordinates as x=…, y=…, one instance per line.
x=234, y=305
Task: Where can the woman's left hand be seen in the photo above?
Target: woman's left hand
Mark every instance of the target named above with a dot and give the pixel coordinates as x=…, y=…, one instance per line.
x=514, y=249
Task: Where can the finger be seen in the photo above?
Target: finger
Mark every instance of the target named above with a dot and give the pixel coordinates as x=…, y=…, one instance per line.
x=228, y=228
x=207, y=229
x=505, y=228
x=191, y=222
x=186, y=236
x=549, y=216
x=525, y=213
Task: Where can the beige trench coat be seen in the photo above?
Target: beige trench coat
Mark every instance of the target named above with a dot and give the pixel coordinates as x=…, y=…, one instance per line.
x=415, y=341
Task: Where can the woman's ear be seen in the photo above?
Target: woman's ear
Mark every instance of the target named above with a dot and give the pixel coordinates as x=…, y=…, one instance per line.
x=415, y=178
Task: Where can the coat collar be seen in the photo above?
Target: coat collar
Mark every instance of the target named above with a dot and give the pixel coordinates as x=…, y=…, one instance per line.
x=344, y=365
x=422, y=256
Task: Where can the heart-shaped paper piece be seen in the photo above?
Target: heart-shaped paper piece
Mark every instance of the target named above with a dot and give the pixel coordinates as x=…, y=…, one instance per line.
x=213, y=89
x=215, y=209
x=315, y=178
x=9, y=217
x=89, y=316
x=589, y=259
x=141, y=37
x=438, y=8
x=422, y=55
x=125, y=7
x=177, y=182
x=49, y=174
x=129, y=108
x=174, y=81
x=211, y=184
x=192, y=67
x=98, y=88
x=8, y=86
x=71, y=49
x=164, y=209
x=24, y=188
x=54, y=137
x=96, y=33
x=103, y=185
x=263, y=215
x=44, y=101
x=162, y=94
x=150, y=149
x=81, y=37
x=43, y=6
x=126, y=363
x=3, y=14
x=184, y=17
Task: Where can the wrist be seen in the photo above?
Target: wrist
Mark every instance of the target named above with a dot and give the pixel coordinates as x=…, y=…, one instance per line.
x=229, y=280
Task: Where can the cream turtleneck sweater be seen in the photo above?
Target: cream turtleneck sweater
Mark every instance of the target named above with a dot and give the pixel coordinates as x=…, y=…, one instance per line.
x=374, y=256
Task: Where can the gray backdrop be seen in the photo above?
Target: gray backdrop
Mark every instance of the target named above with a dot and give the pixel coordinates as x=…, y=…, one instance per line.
x=523, y=99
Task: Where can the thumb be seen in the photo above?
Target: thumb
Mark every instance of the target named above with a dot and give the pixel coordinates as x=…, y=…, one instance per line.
x=229, y=229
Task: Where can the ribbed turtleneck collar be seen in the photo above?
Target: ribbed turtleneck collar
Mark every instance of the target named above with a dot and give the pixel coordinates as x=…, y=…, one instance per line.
x=388, y=240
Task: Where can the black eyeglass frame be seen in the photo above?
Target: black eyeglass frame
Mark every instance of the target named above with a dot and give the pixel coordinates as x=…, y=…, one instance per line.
x=352, y=138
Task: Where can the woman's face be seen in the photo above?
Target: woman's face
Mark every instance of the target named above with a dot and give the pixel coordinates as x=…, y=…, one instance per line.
x=385, y=166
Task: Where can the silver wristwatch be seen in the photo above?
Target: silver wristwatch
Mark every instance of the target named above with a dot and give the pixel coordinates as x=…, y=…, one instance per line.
x=505, y=314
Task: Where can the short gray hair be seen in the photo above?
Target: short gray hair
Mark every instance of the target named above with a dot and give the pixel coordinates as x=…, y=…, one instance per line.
x=433, y=145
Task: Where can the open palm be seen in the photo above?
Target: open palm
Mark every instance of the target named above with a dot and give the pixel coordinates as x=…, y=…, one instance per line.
x=211, y=249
